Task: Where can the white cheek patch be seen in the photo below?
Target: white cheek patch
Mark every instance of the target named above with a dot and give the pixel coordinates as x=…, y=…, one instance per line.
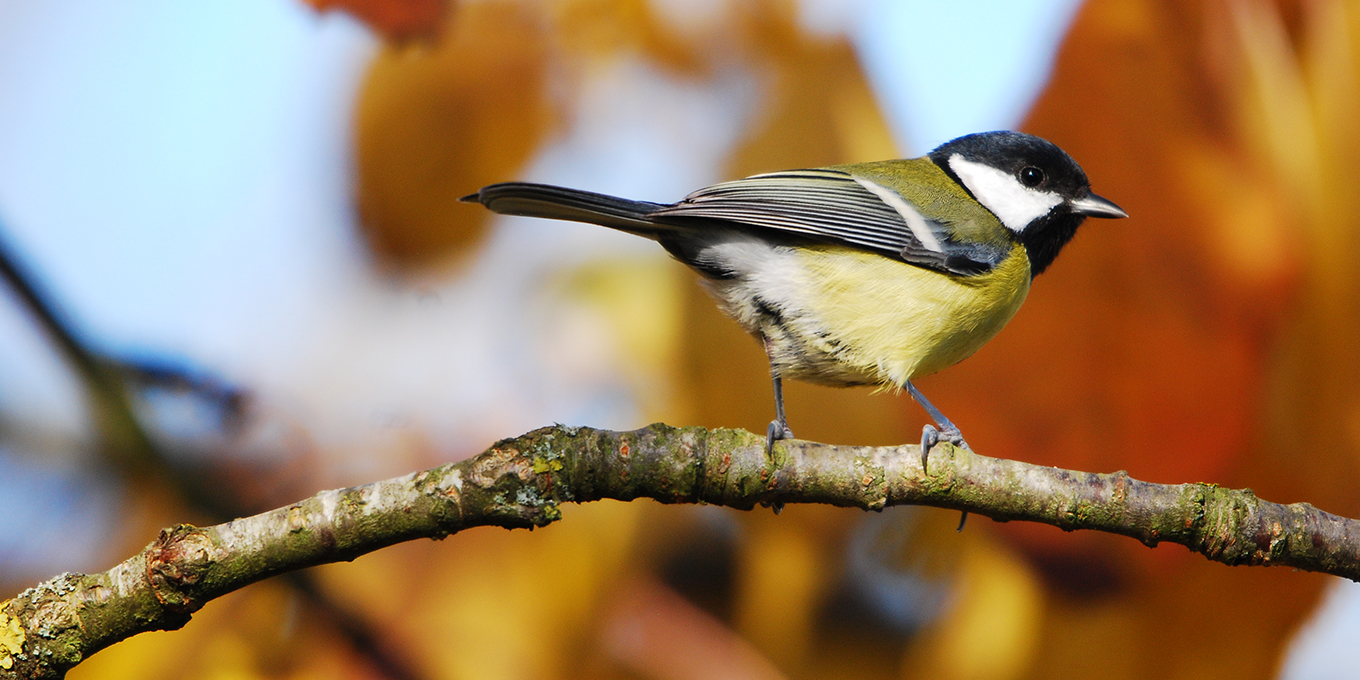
x=1012, y=202
x=915, y=221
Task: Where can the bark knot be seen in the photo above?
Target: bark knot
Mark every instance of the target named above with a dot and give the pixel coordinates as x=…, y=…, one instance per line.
x=175, y=563
x=491, y=466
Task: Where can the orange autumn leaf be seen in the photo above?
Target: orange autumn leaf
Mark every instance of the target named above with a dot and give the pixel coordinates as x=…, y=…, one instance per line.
x=434, y=124
x=397, y=20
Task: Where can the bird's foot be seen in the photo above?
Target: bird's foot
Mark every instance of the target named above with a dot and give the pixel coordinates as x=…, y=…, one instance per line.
x=777, y=430
x=953, y=436
x=931, y=436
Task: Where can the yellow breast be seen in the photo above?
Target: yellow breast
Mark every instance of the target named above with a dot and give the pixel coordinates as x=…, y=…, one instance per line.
x=890, y=321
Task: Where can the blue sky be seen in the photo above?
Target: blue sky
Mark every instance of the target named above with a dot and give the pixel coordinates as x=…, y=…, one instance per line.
x=945, y=69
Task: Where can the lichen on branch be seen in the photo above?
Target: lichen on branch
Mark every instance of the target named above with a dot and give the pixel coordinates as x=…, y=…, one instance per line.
x=521, y=482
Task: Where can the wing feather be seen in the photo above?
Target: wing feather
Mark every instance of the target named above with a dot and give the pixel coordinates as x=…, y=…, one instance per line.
x=833, y=206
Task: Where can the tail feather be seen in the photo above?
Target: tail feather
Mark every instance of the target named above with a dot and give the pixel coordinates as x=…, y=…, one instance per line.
x=560, y=203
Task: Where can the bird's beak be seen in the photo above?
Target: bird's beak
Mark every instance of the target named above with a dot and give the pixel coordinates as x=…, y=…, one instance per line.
x=1095, y=206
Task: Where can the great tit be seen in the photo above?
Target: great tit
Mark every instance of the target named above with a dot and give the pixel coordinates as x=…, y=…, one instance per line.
x=861, y=274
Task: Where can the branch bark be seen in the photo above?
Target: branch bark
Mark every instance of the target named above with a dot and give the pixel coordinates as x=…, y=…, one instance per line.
x=522, y=482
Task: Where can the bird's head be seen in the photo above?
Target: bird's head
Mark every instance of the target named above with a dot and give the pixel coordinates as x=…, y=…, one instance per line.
x=1034, y=188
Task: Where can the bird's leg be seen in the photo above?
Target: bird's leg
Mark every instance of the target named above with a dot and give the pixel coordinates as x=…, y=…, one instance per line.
x=930, y=436
x=779, y=427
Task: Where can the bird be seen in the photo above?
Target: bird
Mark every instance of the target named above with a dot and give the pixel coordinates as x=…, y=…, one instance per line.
x=873, y=273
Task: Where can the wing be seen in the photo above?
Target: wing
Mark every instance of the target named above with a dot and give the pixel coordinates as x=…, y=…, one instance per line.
x=836, y=207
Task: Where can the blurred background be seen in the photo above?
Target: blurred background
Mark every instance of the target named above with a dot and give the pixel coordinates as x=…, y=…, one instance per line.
x=236, y=272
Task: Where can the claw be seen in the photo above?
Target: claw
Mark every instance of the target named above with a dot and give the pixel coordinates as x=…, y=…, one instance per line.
x=929, y=438
x=776, y=431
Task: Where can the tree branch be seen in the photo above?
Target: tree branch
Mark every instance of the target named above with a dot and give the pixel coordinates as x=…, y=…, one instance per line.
x=521, y=482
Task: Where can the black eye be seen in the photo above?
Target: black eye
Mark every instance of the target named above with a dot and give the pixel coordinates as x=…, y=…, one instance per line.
x=1031, y=176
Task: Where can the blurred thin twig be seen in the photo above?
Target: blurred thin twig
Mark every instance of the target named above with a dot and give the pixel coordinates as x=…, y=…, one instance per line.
x=124, y=441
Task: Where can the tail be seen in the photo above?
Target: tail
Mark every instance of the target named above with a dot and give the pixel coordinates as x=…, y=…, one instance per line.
x=558, y=203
